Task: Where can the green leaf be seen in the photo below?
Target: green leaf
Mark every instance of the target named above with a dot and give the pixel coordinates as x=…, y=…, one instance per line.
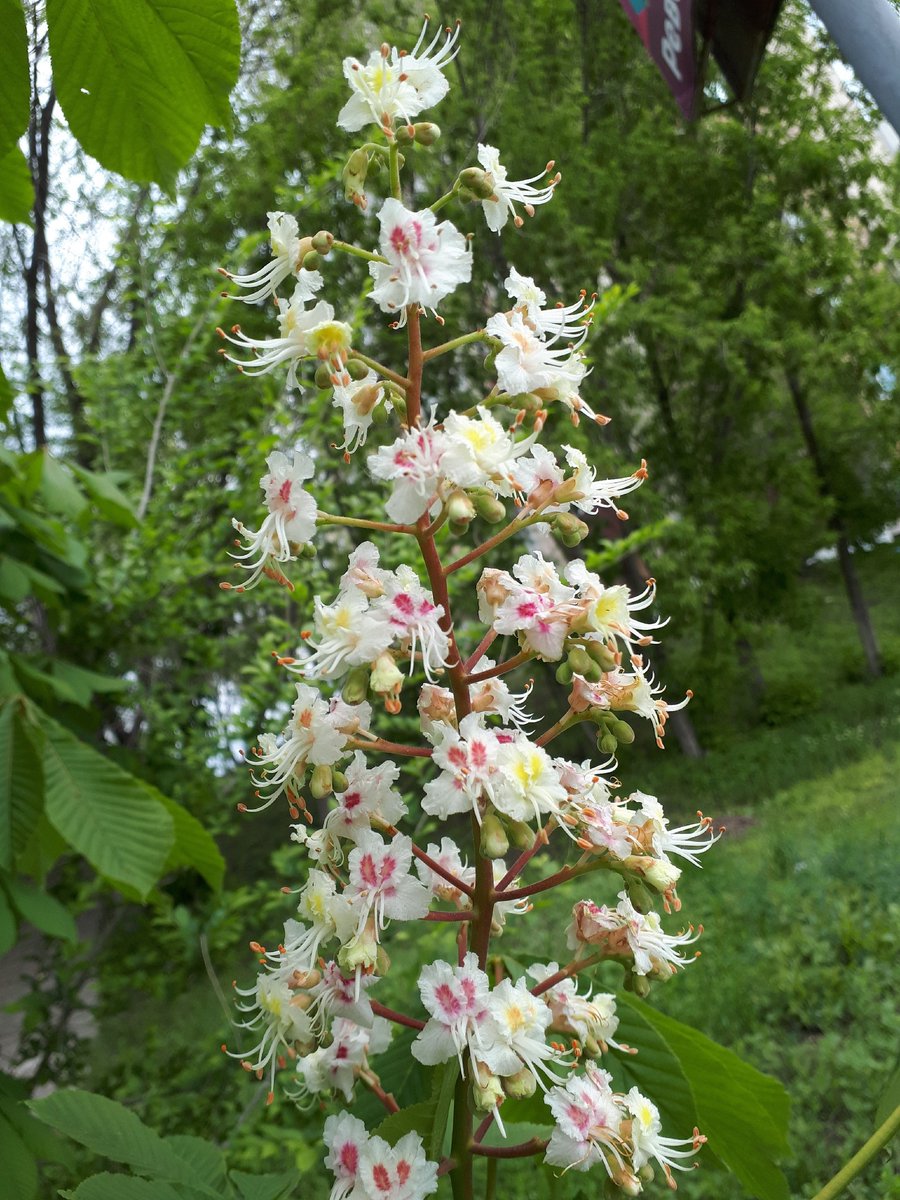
x=15, y=85
x=264, y=1187
x=43, y=910
x=21, y=779
x=743, y=1112
x=122, y=1187
x=15, y=582
x=104, y=813
x=111, y=1130
x=417, y=1117
x=205, y=1160
x=59, y=490
x=655, y=1070
x=442, y=1095
x=43, y=684
x=139, y=79
x=107, y=497
x=42, y=1142
x=86, y=683
x=7, y=924
x=16, y=188
x=20, y=1177
x=518, y=1131
x=194, y=846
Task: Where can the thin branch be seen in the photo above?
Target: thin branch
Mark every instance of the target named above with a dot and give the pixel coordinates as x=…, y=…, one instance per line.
x=517, y=660
x=399, y=1018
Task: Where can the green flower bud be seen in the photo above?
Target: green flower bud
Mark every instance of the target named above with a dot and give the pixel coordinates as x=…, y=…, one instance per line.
x=460, y=509
x=607, y=744
x=323, y=241
x=405, y=135
x=527, y=402
x=580, y=661
x=356, y=686
x=398, y=403
x=564, y=673
x=466, y=195
x=494, y=842
x=339, y=781
x=490, y=509
x=521, y=833
x=320, y=784
x=307, y=550
x=323, y=377
x=311, y=261
x=602, y=655
x=639, y=894
x=521, y=1085
x=622, y=731
x=478, y=182
x=356, y=369
x=353, y=177
x=646, y=1174
x=641, y=986
x=570, y=529
x=380, y=415
x=427, y=133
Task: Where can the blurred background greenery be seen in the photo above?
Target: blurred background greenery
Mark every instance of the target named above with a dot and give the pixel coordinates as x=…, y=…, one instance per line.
x=755, y=368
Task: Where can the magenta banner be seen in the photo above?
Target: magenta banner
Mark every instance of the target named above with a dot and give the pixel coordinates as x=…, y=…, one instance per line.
x=667, y=30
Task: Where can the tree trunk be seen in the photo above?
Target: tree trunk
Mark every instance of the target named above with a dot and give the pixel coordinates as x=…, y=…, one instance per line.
x=852, y=586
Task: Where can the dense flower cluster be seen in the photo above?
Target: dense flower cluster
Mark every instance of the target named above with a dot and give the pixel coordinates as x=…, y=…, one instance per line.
x=503, y=1034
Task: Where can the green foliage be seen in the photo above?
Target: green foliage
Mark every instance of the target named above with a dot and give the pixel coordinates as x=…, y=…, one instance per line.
x=16, y=188
x=193, y=1166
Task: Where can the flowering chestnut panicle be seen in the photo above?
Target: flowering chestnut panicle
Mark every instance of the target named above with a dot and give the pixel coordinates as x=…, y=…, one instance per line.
x=387, y=638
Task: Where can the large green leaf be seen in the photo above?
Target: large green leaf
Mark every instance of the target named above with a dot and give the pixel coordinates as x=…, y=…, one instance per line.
x=58, y=488
x=15, y=85
x=8, y=931
x=655, y=1070
x=122, y=1187
x=205, y=1160
x=43, y=910
x=109, y=1129
x=264, y=1187
x=194, y=846
x=16, y=188
x=417, y=1118
x=139, y=79
x=106, y=495
x=21, y=779
x=104, y=813
x=743, y=1112
x=20, y=1177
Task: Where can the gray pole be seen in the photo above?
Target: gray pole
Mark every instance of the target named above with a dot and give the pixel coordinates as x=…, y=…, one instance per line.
x=868, y=34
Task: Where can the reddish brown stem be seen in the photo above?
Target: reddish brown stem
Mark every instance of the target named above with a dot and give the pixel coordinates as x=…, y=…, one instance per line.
x=385, y=1097
x=526, y=856
x=398, y=1018
x=555, y=730
x=520, y=522
x=465, y=915
x=482, y=646
x=544, y=885
x=501, y=668
x=523, y=1150
x=566, y=973
x=484, y=1127
x=429, y=862
x=386, y=747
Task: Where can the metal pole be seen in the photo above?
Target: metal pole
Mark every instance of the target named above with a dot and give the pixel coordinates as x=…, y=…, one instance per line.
x=868, y=34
